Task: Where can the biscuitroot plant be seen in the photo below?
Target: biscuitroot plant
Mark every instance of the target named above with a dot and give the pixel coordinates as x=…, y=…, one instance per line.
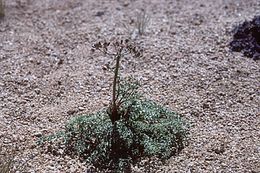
x=130, y=129
x=120, y=49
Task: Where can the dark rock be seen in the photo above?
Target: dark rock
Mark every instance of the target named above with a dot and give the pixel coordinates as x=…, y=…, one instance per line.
x=100, y=13
x=71, y=112
x=246, y=38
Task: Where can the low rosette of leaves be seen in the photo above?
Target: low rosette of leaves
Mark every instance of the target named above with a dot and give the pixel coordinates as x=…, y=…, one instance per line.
x=131, y=127
x=146, y=129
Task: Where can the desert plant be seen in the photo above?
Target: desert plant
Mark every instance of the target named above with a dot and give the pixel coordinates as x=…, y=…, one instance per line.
x=139, y=24
x=119, y=50
x=2, y=13
x=129, y=129
x=10, y=162
x=142, y=21
x=6, y=165
x=6, y=161
x=151, y=130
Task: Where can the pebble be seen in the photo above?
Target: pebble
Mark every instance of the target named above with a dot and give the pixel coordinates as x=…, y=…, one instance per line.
x=37, y=134
x=81, y=108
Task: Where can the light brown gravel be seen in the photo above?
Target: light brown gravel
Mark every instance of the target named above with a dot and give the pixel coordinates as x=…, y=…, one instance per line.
x=49, y=75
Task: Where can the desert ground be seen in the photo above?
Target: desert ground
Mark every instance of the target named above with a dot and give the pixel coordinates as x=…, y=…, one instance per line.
x=48, y=74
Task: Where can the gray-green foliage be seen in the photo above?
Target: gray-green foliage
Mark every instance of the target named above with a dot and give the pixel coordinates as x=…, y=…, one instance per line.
x=89, y=136
x=129, y=129
x=148, y=130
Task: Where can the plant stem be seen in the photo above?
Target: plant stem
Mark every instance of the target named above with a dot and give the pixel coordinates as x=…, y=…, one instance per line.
x=115, y=79
x=114, y=113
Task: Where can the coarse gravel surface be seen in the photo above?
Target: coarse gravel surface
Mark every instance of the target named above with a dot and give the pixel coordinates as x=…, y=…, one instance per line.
x=48, y=75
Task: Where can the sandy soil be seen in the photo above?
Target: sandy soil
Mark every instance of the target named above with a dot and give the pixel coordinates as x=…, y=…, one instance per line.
x=48, y=75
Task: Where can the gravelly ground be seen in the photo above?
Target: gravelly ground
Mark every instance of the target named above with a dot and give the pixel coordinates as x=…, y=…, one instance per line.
x=48, y=75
